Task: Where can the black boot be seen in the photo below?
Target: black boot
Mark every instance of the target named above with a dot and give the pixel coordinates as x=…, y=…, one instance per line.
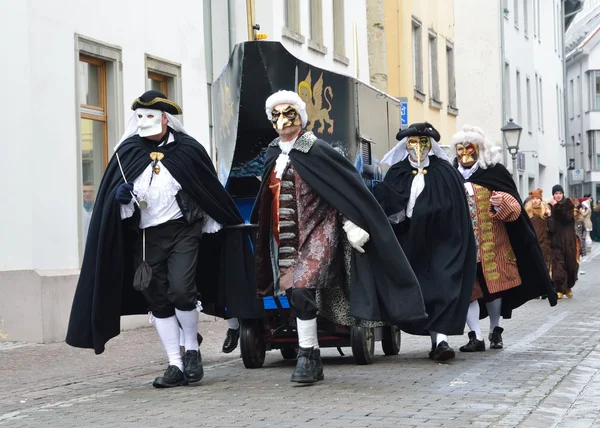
x=231, y=340
x=192, y=366
x=443, y=352
x=309, y=368
x=474, y=344
x=496, y=338
x=172, y=377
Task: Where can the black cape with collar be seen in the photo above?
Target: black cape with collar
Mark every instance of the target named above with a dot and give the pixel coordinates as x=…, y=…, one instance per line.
x=383, y=286
x=438, y=241
x=225, y=270
x=535, y=279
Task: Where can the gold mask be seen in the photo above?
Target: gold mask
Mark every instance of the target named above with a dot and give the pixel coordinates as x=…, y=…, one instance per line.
x=284, y=116
x=418, y=148
x=467, y=153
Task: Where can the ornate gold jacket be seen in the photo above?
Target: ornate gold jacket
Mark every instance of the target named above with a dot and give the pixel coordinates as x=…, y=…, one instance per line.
x=494, y=251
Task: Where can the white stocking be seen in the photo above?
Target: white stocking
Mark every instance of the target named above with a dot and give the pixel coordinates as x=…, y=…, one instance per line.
x=494, y=309
x=473, y=319
x=233, y=323
x=307, y=333
x=189, y=324
x=168, y=331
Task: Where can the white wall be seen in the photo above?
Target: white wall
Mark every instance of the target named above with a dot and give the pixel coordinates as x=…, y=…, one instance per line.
x=477, y=61
x=40, y=230
x=531, y=55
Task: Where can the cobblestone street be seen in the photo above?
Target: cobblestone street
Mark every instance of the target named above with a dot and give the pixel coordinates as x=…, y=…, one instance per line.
x=548, y=375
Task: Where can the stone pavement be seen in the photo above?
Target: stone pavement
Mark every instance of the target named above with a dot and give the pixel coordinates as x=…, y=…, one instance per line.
x=548, y=375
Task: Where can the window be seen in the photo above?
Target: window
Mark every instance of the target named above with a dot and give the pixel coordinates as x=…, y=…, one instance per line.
x=451, y=78
x=417, y=41
x=164, y=76
x=571, y=99
x=536, y=11
x=292, y=15
x=541, y=107
x=596, y=91
x=158, y=82
x=578, y=97
x=516, y=13
x=526, y=18
x=316, y=21
x=555, y=32
x=591, y=149
x=538, y=21
x=519, y=103
x=93, y=131
x=339, y=34
x=507, y=100
x=528, y=89
x=558, y=118
x=100, y=115
x=537, y=100
x=434, y=79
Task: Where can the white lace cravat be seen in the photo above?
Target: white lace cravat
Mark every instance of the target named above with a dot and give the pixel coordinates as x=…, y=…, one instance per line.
x=417, y=186
x=284, y=157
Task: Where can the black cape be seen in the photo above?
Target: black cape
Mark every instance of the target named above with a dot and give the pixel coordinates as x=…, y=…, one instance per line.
x=535, y=279
x=383, y=285
x=225, y=270
x=438, y=241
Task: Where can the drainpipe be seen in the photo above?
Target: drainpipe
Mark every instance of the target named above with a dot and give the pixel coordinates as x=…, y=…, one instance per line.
x=565, y=98
x=502, y=60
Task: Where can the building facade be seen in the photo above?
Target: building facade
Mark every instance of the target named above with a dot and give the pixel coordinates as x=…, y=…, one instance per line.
x=411, y=52
x=510, y=65
x=75, y=69
x=583, y=80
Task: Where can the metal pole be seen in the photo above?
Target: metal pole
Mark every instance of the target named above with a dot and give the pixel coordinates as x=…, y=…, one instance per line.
x=250, y=18
x=515, y=172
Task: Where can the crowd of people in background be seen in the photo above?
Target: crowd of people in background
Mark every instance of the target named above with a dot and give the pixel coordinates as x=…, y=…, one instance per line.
x=566, y=228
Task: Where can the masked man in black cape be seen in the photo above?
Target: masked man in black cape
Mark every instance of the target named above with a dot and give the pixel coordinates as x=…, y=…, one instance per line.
x=160, y=242
x=425, y=200
x=510, y=263
x=323, y=236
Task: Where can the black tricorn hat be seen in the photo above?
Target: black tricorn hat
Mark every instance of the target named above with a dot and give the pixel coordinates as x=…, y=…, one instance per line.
x=418, y=130
x=157, y=101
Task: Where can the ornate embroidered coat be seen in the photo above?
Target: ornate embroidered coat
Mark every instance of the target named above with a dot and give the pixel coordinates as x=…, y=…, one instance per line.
x=495, y=253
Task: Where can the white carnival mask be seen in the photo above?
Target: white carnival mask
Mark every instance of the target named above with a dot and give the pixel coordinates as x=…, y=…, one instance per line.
x=149, y=121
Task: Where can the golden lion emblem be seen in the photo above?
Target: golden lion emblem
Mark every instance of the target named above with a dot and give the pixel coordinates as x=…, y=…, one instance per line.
x=313, y=97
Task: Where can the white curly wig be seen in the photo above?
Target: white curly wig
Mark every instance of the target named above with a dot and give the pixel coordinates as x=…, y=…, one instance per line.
x=287, y=97
x=489, y=153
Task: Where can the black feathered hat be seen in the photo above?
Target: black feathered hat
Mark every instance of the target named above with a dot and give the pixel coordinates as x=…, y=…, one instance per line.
x=418, y=130
x=157, y=101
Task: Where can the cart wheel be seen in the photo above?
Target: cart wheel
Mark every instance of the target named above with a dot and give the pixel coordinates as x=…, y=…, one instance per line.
x=289, y=353
x=363, y=345
x=252, y=345
x=390, y=342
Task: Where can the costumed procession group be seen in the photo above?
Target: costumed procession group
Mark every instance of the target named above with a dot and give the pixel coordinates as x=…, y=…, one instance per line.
x=438, y=244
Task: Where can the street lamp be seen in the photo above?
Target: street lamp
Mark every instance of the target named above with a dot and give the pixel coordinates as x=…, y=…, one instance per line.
x=512, y=134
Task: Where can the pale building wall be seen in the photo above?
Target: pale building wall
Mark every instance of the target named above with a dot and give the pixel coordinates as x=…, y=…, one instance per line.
x=433, y=15
x=478, y=68
x=40, y=255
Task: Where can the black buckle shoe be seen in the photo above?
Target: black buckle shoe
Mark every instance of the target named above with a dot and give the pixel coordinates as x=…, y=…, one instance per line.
x=309, y=368
x=443, y=352
x=172, y=377
x=496, y=338
x=192, y=366
x=231, y=340
x=474, y=345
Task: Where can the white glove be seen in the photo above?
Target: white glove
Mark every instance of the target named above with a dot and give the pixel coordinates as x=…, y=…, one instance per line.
x=356, y=236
